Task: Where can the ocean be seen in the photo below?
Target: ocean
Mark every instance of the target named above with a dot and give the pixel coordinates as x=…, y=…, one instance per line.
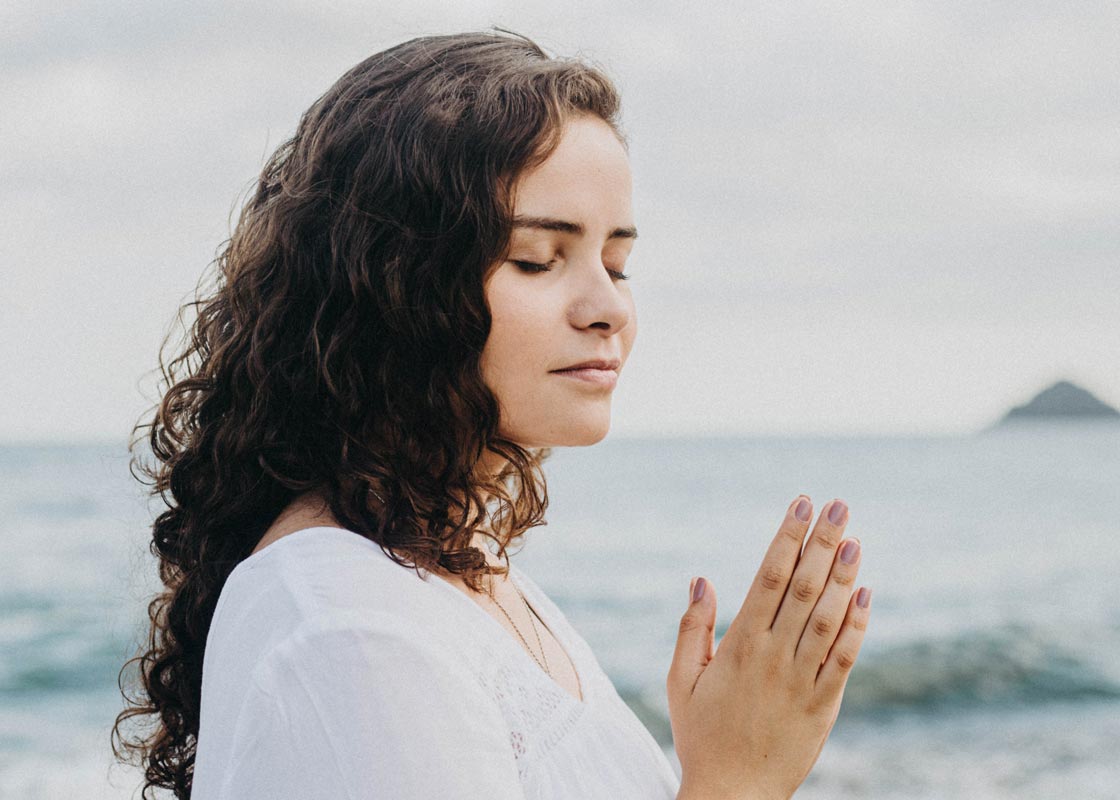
x=991, y=667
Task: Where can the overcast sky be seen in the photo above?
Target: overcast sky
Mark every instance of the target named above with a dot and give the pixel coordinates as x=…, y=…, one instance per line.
x=855, y=218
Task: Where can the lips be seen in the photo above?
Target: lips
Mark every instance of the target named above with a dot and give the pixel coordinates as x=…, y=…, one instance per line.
x=611, y=364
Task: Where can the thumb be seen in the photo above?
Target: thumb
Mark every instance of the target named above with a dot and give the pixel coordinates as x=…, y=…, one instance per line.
x=694, y=641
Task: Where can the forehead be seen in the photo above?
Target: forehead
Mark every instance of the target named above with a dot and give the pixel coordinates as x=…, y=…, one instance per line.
x=585, y=182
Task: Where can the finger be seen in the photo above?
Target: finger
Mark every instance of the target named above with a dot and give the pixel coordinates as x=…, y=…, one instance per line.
x=828, y=615
x=834, y=672
x=694, y=642
x=770, y=582
x=812, y=571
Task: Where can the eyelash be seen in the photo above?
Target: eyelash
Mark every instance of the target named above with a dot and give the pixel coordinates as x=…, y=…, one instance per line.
x=529, y=266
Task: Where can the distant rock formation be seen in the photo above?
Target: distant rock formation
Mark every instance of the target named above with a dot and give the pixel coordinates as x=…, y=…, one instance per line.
x=1063, y=401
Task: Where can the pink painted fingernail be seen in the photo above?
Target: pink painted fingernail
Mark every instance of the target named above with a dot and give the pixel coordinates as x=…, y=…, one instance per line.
x=838, y=512
x=802, y=510
x=698, y=589
x=863, y=597
x=849, y=552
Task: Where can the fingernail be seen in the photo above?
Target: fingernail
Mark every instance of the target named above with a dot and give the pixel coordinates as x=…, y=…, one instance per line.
x=838, y=512
x=863, y=597
x=698, y=589
x=849, y=552
x=802, y=510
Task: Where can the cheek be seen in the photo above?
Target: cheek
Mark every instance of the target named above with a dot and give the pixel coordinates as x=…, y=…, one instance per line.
x=514, y=328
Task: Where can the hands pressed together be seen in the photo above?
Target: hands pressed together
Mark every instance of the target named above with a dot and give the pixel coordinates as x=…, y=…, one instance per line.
x=749, y=721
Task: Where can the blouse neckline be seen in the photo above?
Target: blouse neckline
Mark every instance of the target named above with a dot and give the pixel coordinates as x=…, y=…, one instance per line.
x=531, y=597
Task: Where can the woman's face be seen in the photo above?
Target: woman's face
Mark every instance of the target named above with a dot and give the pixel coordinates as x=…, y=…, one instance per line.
x=573, y=214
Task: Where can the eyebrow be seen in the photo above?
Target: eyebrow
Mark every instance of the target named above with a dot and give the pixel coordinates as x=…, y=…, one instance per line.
x=550, y=224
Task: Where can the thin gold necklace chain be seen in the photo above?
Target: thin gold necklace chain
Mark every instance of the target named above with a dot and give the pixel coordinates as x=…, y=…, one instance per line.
x=543, y=666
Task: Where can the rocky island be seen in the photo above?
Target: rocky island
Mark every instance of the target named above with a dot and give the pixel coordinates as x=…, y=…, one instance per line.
x=1062, y=401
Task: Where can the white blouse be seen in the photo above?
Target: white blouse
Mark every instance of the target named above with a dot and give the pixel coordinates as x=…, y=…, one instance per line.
x=333, y=672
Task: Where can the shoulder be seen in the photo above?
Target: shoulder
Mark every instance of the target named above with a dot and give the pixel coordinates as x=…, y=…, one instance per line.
x=348, y=701
x=348, y=706
x=317, y=580
x=356, y=650
x=323, y=569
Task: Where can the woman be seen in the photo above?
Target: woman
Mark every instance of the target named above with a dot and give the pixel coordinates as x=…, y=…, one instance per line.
x=426, y=293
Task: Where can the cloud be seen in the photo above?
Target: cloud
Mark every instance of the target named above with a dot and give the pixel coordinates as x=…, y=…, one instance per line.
x=935, y=167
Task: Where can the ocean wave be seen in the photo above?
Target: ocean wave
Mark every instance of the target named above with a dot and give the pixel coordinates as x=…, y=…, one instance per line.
x=49, y=645
x=1013, y=664
x=1010, y=666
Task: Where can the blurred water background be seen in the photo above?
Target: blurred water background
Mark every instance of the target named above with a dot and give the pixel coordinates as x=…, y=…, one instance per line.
x=991, y=668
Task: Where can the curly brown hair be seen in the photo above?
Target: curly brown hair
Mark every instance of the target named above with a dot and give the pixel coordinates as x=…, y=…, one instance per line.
x=338, y=351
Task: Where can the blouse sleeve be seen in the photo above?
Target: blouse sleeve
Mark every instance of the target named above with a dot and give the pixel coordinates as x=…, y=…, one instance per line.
x=361, y=710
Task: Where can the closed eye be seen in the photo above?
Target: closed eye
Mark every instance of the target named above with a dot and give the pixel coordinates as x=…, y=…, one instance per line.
x=529, y=266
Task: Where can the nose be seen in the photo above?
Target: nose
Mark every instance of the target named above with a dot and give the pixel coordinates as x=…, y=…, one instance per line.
x=599, y=302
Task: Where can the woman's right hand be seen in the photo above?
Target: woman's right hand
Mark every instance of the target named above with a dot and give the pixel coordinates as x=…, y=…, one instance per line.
x=749, y=722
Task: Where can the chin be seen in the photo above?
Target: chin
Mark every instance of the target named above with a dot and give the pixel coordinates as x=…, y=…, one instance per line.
x=585, y=438
x=582, y=435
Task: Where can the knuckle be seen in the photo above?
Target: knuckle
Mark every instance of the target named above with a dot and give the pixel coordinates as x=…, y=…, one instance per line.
x=843, y=577
x=859, y=623
x=744, y=650
x=824, y=710
x=815, y=704
x=690, y=622
x=772, y=577
x=827, y=537
x=845, y=659
x=792, y=533
x=803, y=589
x=770, y=664
x=819, y=702
x=823, y=626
